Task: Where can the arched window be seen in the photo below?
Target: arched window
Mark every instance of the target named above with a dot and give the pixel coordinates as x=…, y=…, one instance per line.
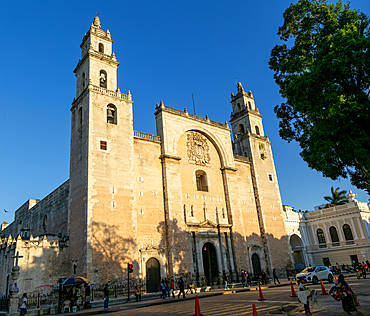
x=83, y=81
x=320, y=236
x=333, y=234
x=257, y=130
x=347, y=232
x=101, y=48
x=223, y=213
x=249, y=105
x=79, y=118
x=111, y=114
x=185, y=213
x=241, y=129
x=191, y=211
x=44, y=222
x=238, y=106
x=103, y=79
x=201, y=178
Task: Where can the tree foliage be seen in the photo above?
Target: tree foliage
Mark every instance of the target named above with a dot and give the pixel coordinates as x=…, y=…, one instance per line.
x=337, y=197
x=323, y=70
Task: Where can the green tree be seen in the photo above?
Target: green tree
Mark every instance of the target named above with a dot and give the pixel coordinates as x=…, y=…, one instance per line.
x=323, y=71
x=337, y=197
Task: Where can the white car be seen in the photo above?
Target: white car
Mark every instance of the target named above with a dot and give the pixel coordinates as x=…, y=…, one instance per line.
x=314, y=274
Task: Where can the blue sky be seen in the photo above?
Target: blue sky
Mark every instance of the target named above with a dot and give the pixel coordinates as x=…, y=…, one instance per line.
x=168, y=50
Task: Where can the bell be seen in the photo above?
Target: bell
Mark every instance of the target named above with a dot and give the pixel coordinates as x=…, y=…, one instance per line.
x=110, y=115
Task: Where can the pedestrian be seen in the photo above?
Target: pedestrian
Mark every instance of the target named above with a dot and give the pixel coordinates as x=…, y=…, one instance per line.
x=243, y=278
x=137, y=293
x=172, y=290
x=164, y=290
x=225, y=280
x=167, y=287
x=348, y=297
x=303, y=296
x=24, y=304
x=106, y=296
x=275, y=276
x=263, y=277
x=181, y=284
x=338, y=268
x=247, y=278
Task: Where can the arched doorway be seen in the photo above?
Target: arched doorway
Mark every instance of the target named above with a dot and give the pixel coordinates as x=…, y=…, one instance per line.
x=297, y=245
x=152, y=275
x=256, y=265
x=210, y=265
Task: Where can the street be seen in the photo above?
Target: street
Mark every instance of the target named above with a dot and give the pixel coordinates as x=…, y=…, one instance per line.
x=277, y=302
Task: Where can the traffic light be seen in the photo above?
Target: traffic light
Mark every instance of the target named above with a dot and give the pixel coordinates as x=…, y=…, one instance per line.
x=129, y=267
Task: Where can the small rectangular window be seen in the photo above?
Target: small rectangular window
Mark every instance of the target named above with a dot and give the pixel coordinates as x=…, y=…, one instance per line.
x=103, y=145
x=270, y=177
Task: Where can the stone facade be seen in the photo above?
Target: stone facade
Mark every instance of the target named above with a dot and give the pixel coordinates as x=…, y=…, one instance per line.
x=187, y=200
x=339, y=234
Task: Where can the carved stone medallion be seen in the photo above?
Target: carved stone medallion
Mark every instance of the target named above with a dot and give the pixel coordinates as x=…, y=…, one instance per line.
x=198, y=149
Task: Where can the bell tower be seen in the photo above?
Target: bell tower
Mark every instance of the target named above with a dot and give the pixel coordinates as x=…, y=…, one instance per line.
x=250, y=141
x=101, y=160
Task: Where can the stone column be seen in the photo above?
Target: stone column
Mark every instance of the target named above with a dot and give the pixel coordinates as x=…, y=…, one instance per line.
x=14, y=298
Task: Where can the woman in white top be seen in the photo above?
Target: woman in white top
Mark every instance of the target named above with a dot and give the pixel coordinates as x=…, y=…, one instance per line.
x=24, y=304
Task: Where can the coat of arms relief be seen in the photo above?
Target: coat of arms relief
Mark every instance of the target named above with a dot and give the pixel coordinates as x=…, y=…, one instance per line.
x=198, y=149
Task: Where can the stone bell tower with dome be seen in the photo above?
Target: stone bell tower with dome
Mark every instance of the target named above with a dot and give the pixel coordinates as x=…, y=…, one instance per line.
x=101, y=176
x=251, y=141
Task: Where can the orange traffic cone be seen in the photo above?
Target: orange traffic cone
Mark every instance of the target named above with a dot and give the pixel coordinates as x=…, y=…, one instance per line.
x=254, y=310
x=323, y=291
x=197, y=307
x=261, y=295
x=293, y=292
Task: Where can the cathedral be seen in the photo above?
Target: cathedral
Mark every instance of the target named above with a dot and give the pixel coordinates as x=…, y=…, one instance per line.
x=188, y=200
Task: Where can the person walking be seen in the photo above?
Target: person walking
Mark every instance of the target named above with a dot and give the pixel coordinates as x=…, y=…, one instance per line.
x=275, y=276
x=106, y=296
x=172, y=290
x=303, y=295
x=164, y=290
x=264, y=277
x=137, y=293
x=167, y=287
x=348, y=297
x=243, y=278
x=24, y=305
x=225, y=280
x=181, y=284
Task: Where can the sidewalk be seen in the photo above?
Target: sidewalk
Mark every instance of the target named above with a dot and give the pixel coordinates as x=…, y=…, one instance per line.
x=150, y=301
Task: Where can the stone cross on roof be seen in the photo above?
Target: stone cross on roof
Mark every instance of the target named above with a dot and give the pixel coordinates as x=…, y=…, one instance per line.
x=16, y=258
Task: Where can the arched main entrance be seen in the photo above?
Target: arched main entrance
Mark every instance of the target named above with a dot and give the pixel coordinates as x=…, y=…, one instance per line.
x=297, y=245
x=256, y=265
x=210, y=265
x=152, y=275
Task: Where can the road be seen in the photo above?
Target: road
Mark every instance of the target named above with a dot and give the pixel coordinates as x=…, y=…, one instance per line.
x=277, y=302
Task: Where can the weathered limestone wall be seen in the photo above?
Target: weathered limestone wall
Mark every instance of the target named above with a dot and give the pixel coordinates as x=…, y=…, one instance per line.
x=150, y=238
x=44, y=261
x=48, y=216
x=245, y=221
x=111, y=208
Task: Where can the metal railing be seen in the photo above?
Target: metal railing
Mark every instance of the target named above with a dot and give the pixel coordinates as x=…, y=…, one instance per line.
x=335, y=244
x=322, y=245
x=4, y=304
x=42, y=300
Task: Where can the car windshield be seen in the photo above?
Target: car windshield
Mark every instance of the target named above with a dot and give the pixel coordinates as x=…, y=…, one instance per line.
x=308, y=269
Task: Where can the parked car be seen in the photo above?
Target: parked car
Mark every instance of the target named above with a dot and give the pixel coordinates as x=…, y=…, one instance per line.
x=314, y=274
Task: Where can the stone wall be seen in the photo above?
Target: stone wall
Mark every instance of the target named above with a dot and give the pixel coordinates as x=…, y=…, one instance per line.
x=44, y=261
x=48, y=216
